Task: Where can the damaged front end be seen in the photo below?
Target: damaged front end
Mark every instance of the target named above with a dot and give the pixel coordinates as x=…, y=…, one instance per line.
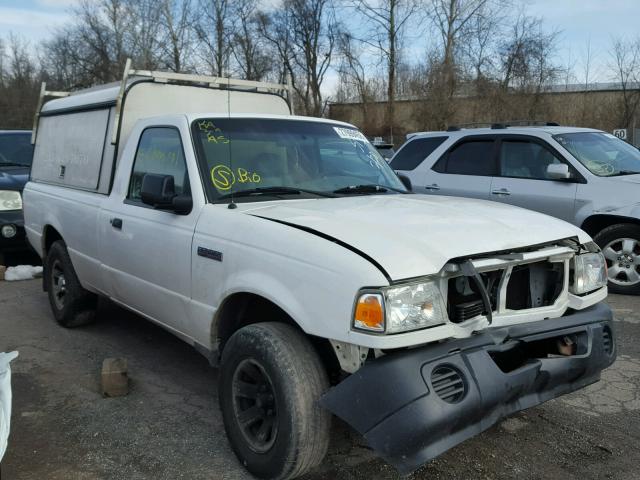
x=412, y=405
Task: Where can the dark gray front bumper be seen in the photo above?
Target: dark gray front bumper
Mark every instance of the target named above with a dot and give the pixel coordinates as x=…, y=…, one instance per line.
x=392, y=401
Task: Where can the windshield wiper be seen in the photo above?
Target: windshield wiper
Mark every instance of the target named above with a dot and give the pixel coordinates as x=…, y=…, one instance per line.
x=624, y=172
x=12, y=164
x=274, y=191
x=367, y=188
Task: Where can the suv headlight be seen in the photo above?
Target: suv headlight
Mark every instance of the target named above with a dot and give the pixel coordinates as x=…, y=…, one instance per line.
x=10, y=200
x=589, y=273
x=401, y=308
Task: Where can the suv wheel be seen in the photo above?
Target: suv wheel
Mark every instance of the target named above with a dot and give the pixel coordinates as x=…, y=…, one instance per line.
x=72, y=305
x=270, y=382
x=621, y=247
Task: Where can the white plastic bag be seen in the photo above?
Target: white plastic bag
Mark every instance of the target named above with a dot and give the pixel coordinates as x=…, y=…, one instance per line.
x=22, y=272
x=5, y=399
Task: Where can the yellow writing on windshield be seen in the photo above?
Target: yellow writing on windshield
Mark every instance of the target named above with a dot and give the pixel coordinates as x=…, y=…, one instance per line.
x=223, y=177
x=213, y=133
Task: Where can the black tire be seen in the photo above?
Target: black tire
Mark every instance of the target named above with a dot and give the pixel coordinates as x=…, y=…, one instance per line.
x=72, y=305
x=299, y=440
x=613, y=236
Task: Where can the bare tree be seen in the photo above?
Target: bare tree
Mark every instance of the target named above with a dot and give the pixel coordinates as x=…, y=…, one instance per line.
x=626, y=65
x=302, y=32
x=351, y=68
x=454, y=20
x=213, y=31
x=313, y=36
x=527, y=56
x=142, y=33
x=386, y=21
x=177, y=28
x=277, y=29
x=19, y=84
x=250, y=53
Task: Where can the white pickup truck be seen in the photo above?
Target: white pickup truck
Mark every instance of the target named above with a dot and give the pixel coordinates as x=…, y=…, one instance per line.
x=288, y=252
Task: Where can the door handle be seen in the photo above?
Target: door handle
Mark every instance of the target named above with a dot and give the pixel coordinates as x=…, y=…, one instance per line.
x=502, y=191
x=116, y=223
x=433, y=187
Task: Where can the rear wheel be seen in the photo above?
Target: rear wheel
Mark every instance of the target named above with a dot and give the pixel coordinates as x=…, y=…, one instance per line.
x=270, y=382
x=620, y=245
x=72, y=305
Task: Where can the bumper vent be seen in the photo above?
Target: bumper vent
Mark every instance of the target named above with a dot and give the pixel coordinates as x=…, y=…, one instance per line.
x=607, y=341
x=448, y=383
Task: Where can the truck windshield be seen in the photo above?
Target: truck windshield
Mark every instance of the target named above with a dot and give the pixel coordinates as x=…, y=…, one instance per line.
x=15, y=149
x=602, y=153
x=288, y=159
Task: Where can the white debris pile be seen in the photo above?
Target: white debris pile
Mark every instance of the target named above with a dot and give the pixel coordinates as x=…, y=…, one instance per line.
x=22, y=272
x=5, y=399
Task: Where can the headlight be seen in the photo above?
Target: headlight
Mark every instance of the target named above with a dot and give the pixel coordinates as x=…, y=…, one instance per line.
x=589, y=273
x=400, y=308
x=10, y=200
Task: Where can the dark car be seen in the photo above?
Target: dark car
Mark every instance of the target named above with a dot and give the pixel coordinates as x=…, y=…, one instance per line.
x=16, y=153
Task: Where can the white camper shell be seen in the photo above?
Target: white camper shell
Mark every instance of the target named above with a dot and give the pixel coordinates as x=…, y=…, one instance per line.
x=85, y=131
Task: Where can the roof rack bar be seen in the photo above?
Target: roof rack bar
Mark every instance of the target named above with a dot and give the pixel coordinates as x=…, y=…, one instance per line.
x=123, y=88
x=502, y=125
x=213, y=82
x=36, y=117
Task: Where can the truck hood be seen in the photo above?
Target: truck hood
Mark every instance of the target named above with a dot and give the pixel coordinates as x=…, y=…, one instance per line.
x=13, y=178
x=633, y=179
x=415, y=235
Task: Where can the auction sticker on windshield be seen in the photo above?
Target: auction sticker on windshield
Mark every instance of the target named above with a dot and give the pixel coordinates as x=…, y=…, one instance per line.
x=350, y=134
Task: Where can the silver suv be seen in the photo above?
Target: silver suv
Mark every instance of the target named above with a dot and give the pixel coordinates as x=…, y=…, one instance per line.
x=587, y=177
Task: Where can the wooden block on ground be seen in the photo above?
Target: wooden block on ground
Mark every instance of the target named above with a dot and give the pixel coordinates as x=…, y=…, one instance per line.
x=115, y=380
x=2, y=270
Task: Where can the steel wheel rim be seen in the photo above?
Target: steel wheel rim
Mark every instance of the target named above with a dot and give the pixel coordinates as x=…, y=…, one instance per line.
x=254, y=405
x=623, y=261
x=58, y=285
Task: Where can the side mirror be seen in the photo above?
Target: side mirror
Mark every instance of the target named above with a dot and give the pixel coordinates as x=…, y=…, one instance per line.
x=406, y=181
x=159, y=192
x=558, y=171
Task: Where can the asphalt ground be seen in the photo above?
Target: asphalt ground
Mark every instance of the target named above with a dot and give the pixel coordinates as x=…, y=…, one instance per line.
x=170, y=426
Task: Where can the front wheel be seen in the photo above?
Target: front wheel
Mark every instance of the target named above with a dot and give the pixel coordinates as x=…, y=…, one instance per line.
x=620, y=245
x=271, y=379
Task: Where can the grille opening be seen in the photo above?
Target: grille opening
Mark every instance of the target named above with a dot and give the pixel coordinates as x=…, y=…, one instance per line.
x=514, y=356
x=542, y=282
x=448, y=383
x=464, y=299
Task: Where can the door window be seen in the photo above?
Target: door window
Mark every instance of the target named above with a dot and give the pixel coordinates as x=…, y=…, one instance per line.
x=475, y=157
x=159, y=151
x=525, y=159
x=412, y=154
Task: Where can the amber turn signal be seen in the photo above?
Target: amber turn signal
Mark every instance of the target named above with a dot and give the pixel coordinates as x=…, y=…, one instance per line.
x=369, y=314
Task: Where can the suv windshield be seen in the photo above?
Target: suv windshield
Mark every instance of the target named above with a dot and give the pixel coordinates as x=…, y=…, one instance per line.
x=602, y=153
x=15, y=149
x=302, y=158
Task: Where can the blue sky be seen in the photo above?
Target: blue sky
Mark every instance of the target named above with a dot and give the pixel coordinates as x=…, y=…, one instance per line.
x=578, y=20
x=32, y=19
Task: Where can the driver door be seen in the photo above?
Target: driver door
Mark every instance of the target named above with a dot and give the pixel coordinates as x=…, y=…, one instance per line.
x=147, y=252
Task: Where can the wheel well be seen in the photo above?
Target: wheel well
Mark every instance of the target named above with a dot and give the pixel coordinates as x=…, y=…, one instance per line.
x=596, y=223
x=49, y=236
x=242, y=309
